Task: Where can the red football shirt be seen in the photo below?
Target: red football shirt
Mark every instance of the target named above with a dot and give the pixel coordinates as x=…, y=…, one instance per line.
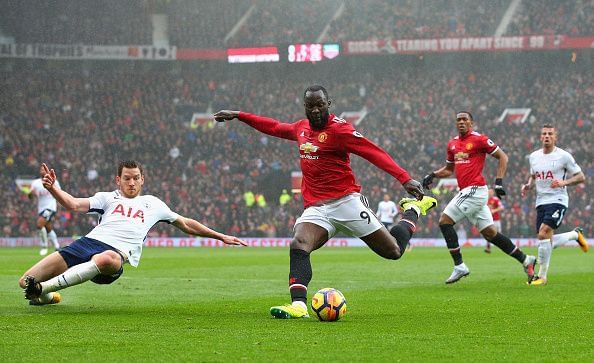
x=494, y=203
x=468, y=155
x=324, y=155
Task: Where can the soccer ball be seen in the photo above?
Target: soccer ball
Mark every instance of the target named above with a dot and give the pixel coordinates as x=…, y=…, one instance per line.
x=329, y=304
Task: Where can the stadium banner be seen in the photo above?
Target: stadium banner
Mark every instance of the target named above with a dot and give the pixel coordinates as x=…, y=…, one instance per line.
x=468, y=44
x=91, y=52
x=170, y=242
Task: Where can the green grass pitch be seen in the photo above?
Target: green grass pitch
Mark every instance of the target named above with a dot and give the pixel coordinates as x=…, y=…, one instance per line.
x=211, y=305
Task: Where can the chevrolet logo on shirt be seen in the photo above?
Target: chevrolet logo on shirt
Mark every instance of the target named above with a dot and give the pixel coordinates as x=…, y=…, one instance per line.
x=460, y=156
x=308, y=147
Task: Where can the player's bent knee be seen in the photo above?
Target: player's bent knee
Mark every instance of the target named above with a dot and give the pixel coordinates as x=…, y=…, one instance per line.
x=300, y=244
x=108, y=262
x=22, y=282
x=489, y=233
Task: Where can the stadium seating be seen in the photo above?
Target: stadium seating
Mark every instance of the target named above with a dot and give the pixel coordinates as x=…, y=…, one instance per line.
x=82, y=124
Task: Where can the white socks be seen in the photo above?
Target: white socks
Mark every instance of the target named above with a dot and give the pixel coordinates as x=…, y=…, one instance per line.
x=54, y=238
x=43, y=236
x=545, y=248
x=73, y=276
x=563, y=238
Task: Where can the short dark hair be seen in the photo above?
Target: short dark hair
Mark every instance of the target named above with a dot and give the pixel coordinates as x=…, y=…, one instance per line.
x=315, y=88
x=129, y=164
x=469, y=114
x=548, y=126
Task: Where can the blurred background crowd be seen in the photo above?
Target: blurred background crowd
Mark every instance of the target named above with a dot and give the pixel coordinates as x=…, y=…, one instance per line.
x=82, y=119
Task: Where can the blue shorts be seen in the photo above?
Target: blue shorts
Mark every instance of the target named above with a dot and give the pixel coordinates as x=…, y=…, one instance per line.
x=47, y=214
x=82, y=250
x=550, y=214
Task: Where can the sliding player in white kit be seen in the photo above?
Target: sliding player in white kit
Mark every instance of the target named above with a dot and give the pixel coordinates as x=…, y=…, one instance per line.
x=549, y=169
x=46, y=210
x=126, y=218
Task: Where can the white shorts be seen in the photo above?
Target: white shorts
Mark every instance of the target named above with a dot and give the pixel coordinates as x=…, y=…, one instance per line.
x=350, y=214
x=471, y=203
x=497, y=225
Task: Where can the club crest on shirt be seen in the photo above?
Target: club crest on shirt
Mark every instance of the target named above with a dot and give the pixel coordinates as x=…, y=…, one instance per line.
x=322, y=137
x=469, y=146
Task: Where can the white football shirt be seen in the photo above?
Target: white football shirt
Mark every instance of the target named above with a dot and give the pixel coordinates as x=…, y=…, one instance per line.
x=44, y=199
x=386, y=211
x=125, y=222
x=558, y=164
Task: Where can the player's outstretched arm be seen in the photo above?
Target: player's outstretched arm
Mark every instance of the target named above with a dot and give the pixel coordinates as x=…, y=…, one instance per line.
x=414, y=188
x=443, y=172
x=226, y=115
x=195, y=228
x=48, y=179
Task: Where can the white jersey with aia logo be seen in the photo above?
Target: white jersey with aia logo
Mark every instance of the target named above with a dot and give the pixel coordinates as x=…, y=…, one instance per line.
x=44, y=199
x=558, y=164
x=125, y=222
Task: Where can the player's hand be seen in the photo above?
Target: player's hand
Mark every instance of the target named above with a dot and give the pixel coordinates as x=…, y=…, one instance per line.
x=231, y=240
x=225, y=115
x=556, y=183
x=524, y=190
x=414, y=188
x=499, y=190
x=48, y=177
x=428, y=180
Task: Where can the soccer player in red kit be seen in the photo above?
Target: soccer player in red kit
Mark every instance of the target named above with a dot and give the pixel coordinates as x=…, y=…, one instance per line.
x=496, y=207
x=330, y=193
x=466, y=155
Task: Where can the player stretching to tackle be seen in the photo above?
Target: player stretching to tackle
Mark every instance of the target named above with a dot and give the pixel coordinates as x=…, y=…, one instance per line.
x=330, y=194
x=126, y=218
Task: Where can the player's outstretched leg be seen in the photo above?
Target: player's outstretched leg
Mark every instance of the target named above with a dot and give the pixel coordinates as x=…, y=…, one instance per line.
x=576, y=235
x=299, y=277
x=507, y=246
x=406, y=227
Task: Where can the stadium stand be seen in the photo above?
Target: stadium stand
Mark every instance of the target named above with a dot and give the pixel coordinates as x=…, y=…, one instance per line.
x=232, y=23
x=82, y=123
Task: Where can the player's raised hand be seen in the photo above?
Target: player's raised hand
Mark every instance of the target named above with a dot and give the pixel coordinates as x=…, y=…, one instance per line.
x=225, y=115
x=231, y=240
x=48, y=176
x=414, y=188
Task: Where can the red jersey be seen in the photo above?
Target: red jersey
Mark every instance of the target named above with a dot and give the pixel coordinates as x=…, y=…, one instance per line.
x=495, y=203
x=324, y=155
x=468, y=155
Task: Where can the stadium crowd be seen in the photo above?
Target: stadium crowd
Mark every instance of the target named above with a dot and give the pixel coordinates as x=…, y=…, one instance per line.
x=82, y=123
x=212, y=24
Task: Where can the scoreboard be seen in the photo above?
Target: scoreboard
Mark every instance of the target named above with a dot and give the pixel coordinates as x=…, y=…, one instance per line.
x=295, y=53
